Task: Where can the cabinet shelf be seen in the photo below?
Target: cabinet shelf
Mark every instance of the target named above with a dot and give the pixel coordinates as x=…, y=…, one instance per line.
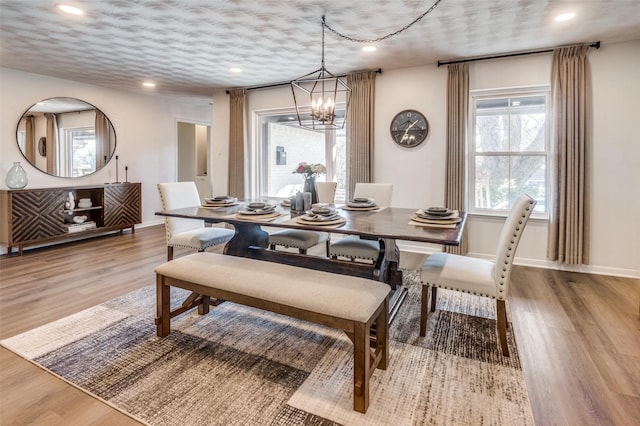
x=81, y=209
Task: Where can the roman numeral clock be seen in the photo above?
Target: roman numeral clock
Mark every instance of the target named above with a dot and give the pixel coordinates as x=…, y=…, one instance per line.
x=409, y=128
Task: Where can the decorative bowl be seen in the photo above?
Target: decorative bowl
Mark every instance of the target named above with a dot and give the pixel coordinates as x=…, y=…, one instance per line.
x=79, y=219
x=84, y=202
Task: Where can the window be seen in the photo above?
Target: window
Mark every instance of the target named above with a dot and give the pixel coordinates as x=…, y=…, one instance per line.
x=284, y=144
x=508, y=152
x=78, y=152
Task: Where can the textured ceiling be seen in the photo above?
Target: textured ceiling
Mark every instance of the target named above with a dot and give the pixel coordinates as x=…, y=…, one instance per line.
x=188, y=46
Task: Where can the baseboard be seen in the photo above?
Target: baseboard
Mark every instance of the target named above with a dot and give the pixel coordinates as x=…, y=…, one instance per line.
x=546, y=264
x=151, y=223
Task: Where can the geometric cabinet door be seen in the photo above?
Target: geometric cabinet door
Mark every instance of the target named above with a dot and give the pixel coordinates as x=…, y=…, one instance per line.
x=122, y=204
x=36, y=214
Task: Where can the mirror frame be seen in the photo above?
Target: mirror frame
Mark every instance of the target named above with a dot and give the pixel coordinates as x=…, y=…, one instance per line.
x=41, y=146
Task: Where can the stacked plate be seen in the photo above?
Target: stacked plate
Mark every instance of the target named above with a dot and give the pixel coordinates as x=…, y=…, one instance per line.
x=362, y=204
x=436, y=215
x=220, y=201
x=257, y=209
x=322, y=215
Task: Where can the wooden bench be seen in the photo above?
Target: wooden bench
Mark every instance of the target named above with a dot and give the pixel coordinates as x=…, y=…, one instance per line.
x=355, y=305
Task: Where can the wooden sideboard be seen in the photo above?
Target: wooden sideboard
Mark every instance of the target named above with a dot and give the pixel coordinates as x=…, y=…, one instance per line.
x=38, y=216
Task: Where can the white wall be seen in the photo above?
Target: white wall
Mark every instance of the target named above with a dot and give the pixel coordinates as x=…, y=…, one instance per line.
x=220, y=148
x=145, y=129
x=418, y=173
x=616, y=156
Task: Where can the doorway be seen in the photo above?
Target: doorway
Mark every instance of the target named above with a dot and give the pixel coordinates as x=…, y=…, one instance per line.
x=193, y=158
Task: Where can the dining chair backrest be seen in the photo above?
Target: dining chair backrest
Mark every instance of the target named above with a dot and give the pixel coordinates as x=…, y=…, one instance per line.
x=508, y=242
x=326, y=191
x=177, y=195
x=380, y=192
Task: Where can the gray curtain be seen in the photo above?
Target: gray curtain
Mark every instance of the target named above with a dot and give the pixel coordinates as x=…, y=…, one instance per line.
x=237, y=106
x=568, y=239
x=29, y=140
x=52, y=149
x=457, y=110
x=102, y=139
x=360, y=122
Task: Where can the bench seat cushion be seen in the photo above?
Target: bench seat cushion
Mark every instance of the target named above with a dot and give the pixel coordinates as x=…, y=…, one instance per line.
x=342, y=296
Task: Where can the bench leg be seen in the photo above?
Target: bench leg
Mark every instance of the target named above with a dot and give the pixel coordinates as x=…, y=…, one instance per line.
x=163, y=307
x=361, y=367
x=203, y=308
x=382, y=336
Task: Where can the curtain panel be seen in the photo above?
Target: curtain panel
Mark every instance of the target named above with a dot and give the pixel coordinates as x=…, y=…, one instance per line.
x=29, y=140
x=568, y=239
x=237, y=107
x=457, y=111
x=102, y=139
x=51, y=148
x=360, y=122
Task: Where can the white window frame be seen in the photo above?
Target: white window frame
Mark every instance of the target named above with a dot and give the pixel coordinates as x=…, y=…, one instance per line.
x=257, y=155
x=474, y=95
x=65, y=159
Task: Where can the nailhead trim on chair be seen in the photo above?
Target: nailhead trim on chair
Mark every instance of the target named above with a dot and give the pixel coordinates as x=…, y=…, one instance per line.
x=461, y=291
x=166, y=219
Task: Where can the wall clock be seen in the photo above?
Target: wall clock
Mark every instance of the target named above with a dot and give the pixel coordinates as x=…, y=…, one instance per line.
x=409, y=128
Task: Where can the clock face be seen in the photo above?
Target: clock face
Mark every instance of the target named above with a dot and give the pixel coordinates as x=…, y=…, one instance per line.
x=409, y=128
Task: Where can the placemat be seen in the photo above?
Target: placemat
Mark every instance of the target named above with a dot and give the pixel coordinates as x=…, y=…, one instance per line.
x=260, y=218
x=451, y=221
x=434, y=225
x=362, y=209
x=336, y=222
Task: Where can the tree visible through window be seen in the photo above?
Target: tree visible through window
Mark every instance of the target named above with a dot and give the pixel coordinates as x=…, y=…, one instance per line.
x=508, y=152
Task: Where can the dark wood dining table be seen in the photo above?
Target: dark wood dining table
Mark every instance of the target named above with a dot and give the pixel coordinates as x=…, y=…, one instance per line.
x=388, y=225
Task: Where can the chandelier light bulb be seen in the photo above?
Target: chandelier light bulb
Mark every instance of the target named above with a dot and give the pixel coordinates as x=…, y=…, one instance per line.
x=565, y=17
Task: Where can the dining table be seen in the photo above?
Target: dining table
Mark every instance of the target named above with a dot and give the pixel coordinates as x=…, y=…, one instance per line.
x=386, y=225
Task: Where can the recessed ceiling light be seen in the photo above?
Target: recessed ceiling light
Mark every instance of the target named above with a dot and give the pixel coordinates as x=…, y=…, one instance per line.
x=565, y=16
x=234, y=69
x=369, y=49
x=72, y=10
x=149, y=84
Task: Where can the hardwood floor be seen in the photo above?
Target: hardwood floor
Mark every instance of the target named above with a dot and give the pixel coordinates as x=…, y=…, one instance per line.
x=578, y=334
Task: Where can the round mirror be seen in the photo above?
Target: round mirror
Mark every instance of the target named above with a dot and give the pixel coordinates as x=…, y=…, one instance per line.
x=66, y=137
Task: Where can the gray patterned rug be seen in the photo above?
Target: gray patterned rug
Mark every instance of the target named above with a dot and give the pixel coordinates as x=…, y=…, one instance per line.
x=242, y=366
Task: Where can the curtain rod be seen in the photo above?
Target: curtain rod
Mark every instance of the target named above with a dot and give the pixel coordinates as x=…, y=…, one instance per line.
x=284, y=83
x=508, y=55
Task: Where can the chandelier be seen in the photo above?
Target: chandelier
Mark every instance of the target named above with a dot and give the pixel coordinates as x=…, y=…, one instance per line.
x=323, y=91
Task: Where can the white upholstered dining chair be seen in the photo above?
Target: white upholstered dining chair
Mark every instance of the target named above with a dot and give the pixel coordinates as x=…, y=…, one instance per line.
x=301, y=239
x=187, y=233
x=354, y=247
x=477, y=276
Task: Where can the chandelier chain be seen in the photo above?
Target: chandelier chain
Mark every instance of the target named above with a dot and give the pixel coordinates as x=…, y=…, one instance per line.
x=373, y=40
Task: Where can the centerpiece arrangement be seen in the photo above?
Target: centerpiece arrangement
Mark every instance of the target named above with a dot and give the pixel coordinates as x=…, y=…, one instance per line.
x=309, y=173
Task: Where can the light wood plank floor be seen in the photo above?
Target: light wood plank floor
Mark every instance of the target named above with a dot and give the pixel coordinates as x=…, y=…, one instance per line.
x=578, y=334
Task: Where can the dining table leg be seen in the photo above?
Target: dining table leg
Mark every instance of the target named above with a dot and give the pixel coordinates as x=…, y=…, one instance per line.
x=392, y=275
x=390, y=272
x=247, y=235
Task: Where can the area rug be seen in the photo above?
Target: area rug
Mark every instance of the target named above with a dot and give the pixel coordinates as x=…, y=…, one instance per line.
x=242, y=366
